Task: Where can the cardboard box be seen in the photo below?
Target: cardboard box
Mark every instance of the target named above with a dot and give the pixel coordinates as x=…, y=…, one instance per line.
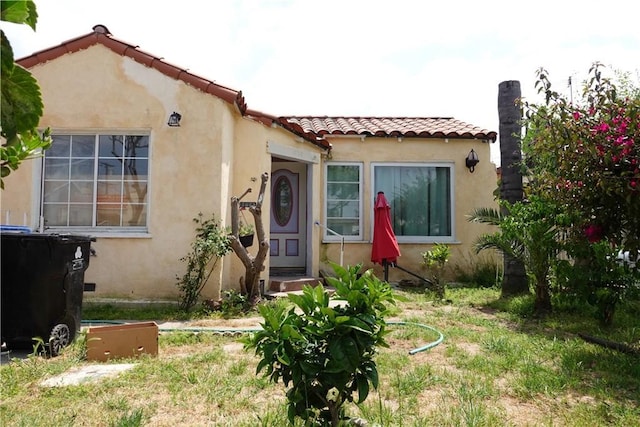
x=119, y=341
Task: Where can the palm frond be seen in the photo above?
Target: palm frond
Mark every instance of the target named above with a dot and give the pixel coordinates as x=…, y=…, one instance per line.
x=499, y=242
x=485, y=216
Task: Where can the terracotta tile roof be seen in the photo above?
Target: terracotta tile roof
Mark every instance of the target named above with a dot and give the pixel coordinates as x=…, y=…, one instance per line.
x=101, y=35
x=420, y=127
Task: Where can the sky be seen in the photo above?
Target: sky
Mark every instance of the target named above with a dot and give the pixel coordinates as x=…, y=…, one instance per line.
x=399, y=58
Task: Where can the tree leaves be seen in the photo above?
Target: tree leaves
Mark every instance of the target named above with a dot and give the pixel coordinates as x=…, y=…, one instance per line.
x=322, y=349
x=21, y=105
x=19, y=12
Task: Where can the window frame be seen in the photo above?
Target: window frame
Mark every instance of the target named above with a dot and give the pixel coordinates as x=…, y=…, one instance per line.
x=110, y=231
x=326, y=235
x=451, y=238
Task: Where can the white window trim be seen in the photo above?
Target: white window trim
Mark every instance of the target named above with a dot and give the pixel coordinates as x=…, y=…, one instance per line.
x=418, y=239
x=329, y=237
x=103, y=232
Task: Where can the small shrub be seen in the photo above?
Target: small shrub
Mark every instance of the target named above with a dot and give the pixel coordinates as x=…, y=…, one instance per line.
x=233, y=303
x=599, y=275
x=325, y=353
x=211, y=244
x=435, y=262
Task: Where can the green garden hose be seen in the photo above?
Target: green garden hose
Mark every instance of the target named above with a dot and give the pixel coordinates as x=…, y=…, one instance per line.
x=235, y=331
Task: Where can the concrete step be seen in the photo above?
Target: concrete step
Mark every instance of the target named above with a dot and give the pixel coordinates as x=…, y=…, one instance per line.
x=289, y=284
x=268, y=294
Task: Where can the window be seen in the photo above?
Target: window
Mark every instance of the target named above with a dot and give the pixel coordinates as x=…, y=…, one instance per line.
x=420, y=196
x=96, y=181
x=343, y=200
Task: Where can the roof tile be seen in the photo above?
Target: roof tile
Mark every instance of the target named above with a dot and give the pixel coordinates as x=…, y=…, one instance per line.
x=422, y=127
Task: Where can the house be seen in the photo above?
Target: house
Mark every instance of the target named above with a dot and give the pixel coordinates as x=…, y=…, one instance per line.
x=119, y=171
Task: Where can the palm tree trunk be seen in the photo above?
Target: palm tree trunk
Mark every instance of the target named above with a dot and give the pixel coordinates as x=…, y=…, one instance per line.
x=510, y=131
x=542, y=304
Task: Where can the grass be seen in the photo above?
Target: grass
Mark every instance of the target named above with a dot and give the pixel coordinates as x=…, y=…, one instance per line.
x=115, y=312
x=494, y=368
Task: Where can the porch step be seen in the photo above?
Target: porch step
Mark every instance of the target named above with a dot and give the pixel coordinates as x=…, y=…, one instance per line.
x=289, y=284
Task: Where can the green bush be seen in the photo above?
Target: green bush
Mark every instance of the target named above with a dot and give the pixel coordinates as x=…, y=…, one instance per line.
x=435, y=261
x=211, y=244
x=596, y=276
x=233, y=303
x=325, y=353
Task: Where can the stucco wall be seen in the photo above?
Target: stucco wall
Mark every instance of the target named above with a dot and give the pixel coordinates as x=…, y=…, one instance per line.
x=253, y=158
x=96, y=90
x=471, y=190
x=16, y=198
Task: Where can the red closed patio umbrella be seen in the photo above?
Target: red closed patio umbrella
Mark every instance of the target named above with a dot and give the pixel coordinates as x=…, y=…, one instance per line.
x=385, y=249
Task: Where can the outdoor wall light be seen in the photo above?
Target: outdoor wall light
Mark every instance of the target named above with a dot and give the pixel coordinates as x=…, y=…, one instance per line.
x=174, y=119
x=472, y=160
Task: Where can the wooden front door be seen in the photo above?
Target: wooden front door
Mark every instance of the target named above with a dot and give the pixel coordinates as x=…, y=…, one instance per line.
x=288, y=241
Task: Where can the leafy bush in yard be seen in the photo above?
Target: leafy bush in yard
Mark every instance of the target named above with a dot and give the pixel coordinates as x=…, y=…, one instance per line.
x=435, y=261
x=325, y=353
x=211, y=244
x=599, y=275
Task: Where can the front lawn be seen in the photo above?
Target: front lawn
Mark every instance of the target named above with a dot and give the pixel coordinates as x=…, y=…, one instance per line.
x=494, y=368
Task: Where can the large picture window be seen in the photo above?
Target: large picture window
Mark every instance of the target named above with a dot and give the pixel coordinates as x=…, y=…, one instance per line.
x=343, y=205
x=96, y=181
x=420, y=196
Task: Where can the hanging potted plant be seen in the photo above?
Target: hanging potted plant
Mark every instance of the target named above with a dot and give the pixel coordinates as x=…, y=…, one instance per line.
x=245, y=233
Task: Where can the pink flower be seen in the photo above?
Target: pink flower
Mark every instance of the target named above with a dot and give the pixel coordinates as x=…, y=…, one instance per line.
x=622, y=128
x=593, y=233
x=576, y=115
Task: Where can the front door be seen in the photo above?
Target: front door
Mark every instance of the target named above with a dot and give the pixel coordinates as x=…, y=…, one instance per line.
x=288, y=241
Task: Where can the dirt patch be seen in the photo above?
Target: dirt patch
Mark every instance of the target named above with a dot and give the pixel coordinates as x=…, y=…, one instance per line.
x=523, y=413
x=472, y=349
x=235, y=347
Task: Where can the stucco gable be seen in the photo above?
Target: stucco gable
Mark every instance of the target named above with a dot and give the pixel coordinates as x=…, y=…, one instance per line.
x=101, y=35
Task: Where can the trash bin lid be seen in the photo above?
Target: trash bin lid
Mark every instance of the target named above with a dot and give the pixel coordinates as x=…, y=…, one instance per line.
x=14, y=229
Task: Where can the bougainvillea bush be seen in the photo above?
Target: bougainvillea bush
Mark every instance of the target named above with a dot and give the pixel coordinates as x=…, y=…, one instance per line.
x=586, y=155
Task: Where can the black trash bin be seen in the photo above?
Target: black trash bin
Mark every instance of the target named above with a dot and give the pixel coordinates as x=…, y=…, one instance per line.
x=42, y=286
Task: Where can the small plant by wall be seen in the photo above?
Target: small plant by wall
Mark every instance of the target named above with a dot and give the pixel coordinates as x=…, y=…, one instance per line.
x=211, y=243
x=435, y=261
x=232, y=304
x=325, y=354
